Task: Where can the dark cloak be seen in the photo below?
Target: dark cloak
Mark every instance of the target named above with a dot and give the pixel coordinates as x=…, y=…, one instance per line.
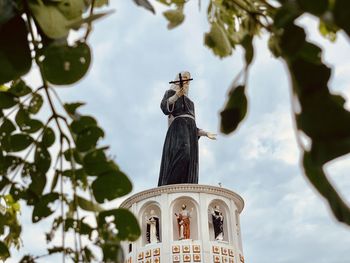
x=218, y=224
x=180, y=151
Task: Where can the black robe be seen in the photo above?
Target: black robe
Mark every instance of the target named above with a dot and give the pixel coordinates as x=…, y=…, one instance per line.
x=180, y=152
x=218, y=223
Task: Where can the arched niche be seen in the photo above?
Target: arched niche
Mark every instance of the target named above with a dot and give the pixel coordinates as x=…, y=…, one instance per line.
x=151, y=209
x=192, y=208
x=219, y=206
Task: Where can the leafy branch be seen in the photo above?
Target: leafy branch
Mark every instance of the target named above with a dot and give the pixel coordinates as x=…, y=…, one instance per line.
x=81, y=167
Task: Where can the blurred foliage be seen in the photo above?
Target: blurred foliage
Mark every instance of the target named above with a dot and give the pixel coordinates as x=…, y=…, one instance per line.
x=49, y=158
x=322, y=116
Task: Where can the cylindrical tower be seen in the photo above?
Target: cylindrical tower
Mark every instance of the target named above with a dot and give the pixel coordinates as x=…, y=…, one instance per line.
x=186, y=223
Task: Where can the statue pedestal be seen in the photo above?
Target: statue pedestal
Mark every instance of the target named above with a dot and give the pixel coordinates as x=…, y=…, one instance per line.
x=200, y=201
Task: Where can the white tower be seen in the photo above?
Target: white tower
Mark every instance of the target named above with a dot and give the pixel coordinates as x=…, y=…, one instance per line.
x=171, y=245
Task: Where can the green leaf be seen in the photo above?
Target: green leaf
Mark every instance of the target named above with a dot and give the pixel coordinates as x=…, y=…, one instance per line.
x=6, y=11
x=35, y=103
x=274, y=45
x=19, y=142
x=309, y=77
x=100, y=3
x=72, y=107
x=234, y=110
x=77, y=24
x=318, y=178
x=96, y=162
x=4, y=251
x=247, y=43
x=82, y=123
x=77, y=176
x=218, y=41
x=341, y=14
x=71, y=9
x=51, y=21
x=286, y=14
x=48, y=138
x=175, y=17
x=32, y=126
x=25, y=123
x=292, y=40
x=41, y=208
x=65, y=65
x=19, y=88
x=7, y=100
x=6, y=128
x=39, y=180
x=111, y=185
x=55, y=180
x=73, y=153
x=316, y=7
x=87, y=139
x=125, y=222
x=42, y=159
x=9, y=163
x=325, y=151
x=88, y=205
x=145, y=4
x=15, y=57
x=22, y=117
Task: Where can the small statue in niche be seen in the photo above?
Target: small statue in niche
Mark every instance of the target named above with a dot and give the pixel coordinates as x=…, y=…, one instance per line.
x=152, y=229
x=183, y=222
x=218, y=223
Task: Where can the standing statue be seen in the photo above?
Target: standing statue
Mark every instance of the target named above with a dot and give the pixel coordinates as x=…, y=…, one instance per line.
x=180, y=152
x=152, y=230
x=218, y=222
x=184, y=223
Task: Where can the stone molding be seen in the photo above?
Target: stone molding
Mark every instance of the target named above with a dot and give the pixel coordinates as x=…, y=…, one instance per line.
x=185, y=188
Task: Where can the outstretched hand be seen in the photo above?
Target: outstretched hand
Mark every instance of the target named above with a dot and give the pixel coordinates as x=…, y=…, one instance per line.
x=211, y=136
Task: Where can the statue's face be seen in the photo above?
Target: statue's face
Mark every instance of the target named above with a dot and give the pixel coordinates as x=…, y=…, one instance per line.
x=185, y=77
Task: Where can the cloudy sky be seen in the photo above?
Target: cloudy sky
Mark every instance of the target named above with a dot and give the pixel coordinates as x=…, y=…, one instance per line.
x=134, y=57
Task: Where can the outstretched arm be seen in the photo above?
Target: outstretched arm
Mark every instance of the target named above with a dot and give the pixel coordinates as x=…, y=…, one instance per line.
x=210, y=135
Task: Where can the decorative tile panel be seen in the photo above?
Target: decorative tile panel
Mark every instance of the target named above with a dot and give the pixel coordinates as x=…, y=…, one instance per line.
x=196, y=249
x=224, y=251
x=148, y=253
x=156, y=251
x=216, y=259
x=230, y=252
x=231, y=260
x=156, y=259
x=224, y=259
x=176, y=249
x=186, y=258
x=197, y=257
x=216, y=250
x=140, y=256
x=241, y=258
x=148, y=260
x=176, y=258
x=186, y=249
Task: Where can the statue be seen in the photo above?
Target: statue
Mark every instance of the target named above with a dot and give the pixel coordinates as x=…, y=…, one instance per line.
x=180, y=152
x=183, y=222
x=218, y=223
x=152, y=230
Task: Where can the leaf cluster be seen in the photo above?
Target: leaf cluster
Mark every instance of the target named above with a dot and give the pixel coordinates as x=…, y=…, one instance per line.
x=54, y=164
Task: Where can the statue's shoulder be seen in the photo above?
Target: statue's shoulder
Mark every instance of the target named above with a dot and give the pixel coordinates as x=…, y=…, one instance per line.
x=170, y=92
